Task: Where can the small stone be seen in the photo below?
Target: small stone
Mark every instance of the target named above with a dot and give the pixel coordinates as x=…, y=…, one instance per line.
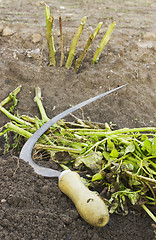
x=3, y=200
x=9, y=173
x=7, y=32
x=36, y=37
x=149, y=36
x=1, y=28
x=45, y=189
x=33, y=53
x=66, y=219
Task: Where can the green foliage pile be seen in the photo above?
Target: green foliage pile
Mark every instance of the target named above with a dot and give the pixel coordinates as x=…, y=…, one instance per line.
x=120, y=163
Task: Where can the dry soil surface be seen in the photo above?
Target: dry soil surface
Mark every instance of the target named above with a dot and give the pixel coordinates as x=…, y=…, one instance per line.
x=33, y=207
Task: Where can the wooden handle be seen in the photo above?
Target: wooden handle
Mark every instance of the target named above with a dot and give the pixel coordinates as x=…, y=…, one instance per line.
x=89, y=205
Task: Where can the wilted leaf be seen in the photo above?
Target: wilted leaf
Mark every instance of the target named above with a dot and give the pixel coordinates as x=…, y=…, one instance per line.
x=93, y=161
x=133, y=197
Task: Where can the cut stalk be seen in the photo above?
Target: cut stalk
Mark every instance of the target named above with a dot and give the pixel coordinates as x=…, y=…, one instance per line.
x=103, y=43
x=149, y=213
x=50, y=39
x=14, y=93
x=56, y=148
x=141, y=178
x=84, y=52
x=12, y=117
x=20, y=131
x=61, y=42
x=74, y=43
x=37, y=99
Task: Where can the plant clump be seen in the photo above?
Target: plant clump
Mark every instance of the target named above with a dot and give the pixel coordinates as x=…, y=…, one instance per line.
x=69, y=62
x=120, y=164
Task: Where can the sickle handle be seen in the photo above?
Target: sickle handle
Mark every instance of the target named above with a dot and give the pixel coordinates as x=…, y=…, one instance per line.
x=89, y=205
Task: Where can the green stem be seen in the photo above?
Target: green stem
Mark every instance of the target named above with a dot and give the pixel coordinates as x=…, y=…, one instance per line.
x=14, y=93
x=149, y=213
x=103, y=43
x=141, y=178
x=103, y=133
x=56, y=148
x=20, y=131
x=74, y=43
x=61, y=42
x=37, y=99
x=50, y=39
x=84, y=52
x=12, y=117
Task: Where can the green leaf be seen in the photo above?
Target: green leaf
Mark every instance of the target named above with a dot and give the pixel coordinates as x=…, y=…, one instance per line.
x=106, y=155
x=114, y=153
x=110, y=144
x=154, y=146
x=97, y=177
x=130, y=148
x=147, y=146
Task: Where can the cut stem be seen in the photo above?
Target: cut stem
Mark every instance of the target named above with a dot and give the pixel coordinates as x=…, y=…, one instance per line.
x=50, y=39
x=141, y=178
x=37, y=99
x=61, y=42
x=20, y=131
x=7, y=99
x=74, y=43
x=89, y=42
x=103, y=43
x=13, y=117
x=56, y=148
x=149, y=213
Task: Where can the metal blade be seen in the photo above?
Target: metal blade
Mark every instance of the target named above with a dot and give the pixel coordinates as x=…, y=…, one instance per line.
x=26, y=152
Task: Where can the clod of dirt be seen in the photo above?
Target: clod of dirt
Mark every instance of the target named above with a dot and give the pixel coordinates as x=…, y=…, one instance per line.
x=36, y=37
x=7, y=32
x=149, y=36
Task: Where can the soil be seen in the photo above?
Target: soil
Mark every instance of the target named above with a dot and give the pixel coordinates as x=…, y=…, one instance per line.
x=33, y=207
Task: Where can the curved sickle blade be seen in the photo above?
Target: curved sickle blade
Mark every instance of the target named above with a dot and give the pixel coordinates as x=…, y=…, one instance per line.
x=26, y=152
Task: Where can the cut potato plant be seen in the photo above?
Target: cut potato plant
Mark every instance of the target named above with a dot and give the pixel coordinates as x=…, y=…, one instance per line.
x=120, y=164
x=71, y=54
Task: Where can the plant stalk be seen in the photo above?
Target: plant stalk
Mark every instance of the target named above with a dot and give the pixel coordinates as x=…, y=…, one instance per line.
x=37, y=99
x=149, y=213
x=74, y=43
x=141, y=178
x=50, y=39
x=85, y=51
x=56, y=148
x=14, y=93
x=61, y=42
x=12, y=117
x=20, y=131
x=103, y=43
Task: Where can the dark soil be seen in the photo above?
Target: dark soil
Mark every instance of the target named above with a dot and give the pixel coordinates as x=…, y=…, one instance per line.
x=33, y=207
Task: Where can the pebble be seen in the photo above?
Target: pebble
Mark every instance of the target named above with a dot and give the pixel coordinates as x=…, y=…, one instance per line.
x=7, y=32
x=45, y=189
x=1, y=28
x=3, y=200
x=66, y=219
x=149, y=36
x=33, y=53
x=36, y=37
x=9, y=173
